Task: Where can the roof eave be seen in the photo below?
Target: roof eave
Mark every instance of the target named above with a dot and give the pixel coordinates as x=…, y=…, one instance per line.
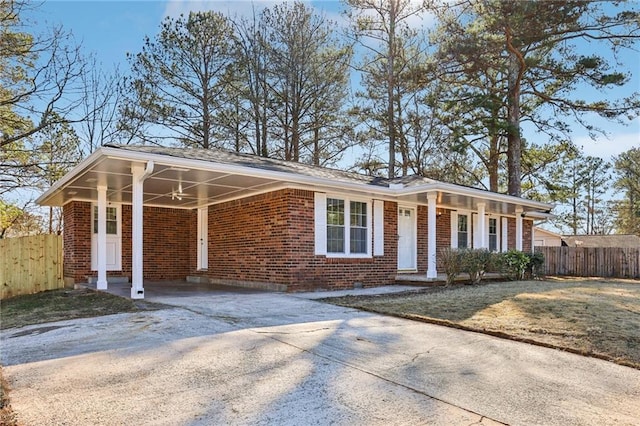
x=72, y=174
x=478, y=193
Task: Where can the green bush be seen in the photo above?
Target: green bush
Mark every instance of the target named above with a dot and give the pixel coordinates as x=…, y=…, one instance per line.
x=451, y=262
x=515, y=264
x=476, y=262
x=534, y=267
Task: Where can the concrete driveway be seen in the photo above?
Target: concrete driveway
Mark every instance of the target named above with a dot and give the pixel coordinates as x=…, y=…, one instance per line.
x=248, y=357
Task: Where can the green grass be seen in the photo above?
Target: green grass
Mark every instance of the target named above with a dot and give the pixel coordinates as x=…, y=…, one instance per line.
x=58, y=305
x=595, y=317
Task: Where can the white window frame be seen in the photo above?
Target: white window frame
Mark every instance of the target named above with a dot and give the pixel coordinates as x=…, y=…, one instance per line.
x=498, y=239
x=321, y=226
x=454, y=228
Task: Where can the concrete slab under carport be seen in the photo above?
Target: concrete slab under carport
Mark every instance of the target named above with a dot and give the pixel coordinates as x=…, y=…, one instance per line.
x=273, y=358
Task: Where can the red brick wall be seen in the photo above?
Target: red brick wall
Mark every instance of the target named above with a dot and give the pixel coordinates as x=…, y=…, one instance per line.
x=511, y=233
x=422, y=239
x=443, y=236
x=264, y=238
x=76, y=238
x=270, y=238
x=527, y=235
x=168, y=240
x=527, y=229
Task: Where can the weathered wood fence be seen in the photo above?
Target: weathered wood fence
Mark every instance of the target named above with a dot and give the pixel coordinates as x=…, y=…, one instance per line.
x=592, y=261
x=30, y=264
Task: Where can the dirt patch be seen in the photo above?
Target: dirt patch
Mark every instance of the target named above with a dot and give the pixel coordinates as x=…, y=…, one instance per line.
x=58, y=305
x=594, y=317
x=7, y=416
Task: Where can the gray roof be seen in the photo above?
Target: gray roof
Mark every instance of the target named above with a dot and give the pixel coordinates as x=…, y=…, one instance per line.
x=272, y=164
x=621, y=241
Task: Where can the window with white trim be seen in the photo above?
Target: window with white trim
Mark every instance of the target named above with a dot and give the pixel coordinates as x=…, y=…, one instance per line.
x=112, y=220
x=348, y=225
x=463, y=231
x=493, y=234
x=335, y=226
x=358, y=227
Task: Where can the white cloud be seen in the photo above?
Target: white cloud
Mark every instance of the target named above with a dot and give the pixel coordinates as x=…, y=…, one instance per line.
x=619, y=140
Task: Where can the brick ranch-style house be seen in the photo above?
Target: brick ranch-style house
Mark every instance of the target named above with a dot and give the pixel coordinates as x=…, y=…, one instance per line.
x=140, y=213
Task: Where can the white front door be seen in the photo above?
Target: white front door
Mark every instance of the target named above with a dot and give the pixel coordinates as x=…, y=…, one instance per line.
x=406, y=239
x=203, y=241
x=114, y=238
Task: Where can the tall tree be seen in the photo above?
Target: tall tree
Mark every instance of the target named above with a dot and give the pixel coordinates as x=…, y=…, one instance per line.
x=382, y=27
x=252, y=84
x=531, y=47
x=56, y=150
x=307, y=79
x=37, y=71
x=627, y=167
x=41, y=73
x=100, y=100
x=177, y=80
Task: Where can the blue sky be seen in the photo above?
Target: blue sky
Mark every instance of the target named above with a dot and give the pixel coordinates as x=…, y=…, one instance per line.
x=110, y=29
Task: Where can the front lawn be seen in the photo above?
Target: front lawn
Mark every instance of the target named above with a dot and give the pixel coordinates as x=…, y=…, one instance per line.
x=595, y=317
x=58, y=305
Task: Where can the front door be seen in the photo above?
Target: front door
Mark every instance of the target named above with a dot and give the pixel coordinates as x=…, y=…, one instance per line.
x=114, y=238
x=406, y=239
x=203, y=240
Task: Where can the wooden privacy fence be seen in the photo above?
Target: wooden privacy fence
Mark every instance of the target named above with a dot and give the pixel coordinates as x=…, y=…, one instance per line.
x=30, y=264
x=592, y=261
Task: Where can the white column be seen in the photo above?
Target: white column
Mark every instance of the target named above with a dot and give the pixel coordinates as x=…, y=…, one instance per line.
x=102, y=238
x=432, y=272
x=137, y=286
x=504, y=234
x=482, y=228
x=519, y=228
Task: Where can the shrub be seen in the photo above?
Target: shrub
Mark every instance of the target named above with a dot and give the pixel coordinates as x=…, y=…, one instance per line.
x=534, y=267
x=515, y=264
x=451, y=263
x=476, y=262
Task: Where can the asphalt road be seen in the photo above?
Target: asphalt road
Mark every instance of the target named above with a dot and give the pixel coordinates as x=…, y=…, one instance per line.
x=277, y=359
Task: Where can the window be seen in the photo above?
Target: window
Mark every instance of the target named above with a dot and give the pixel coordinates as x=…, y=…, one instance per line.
x=335, y=225
x=112, y=220
x=358, y=227
x=493, y=234
x=348, y=228
x=463, y=231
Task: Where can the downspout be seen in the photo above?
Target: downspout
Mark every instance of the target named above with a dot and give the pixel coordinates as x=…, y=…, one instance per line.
x=137, y=198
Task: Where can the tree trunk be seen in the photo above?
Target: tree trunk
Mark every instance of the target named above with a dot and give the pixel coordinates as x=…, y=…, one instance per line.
x=494, y=162
x=390, y=85
x=514, y=142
